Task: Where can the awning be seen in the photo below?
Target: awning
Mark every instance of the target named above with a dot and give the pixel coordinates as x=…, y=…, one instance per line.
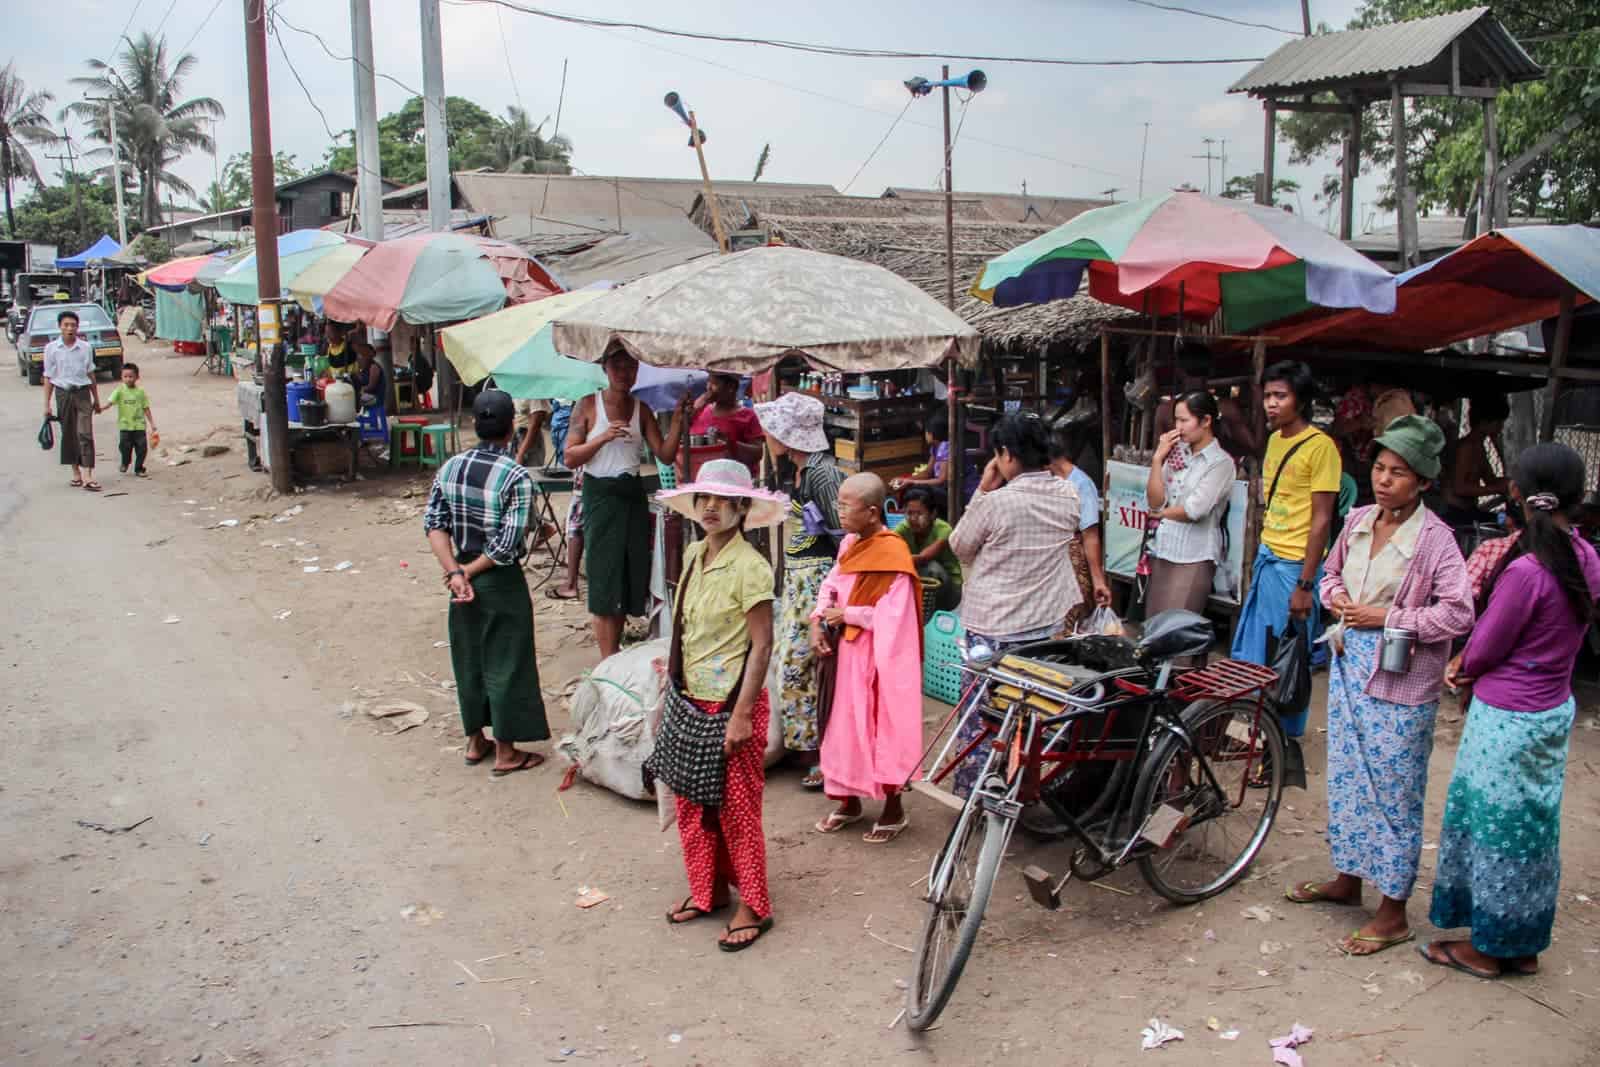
x=104, y=248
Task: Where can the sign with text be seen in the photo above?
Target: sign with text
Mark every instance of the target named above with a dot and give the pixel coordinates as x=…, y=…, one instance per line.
x=1123, y=518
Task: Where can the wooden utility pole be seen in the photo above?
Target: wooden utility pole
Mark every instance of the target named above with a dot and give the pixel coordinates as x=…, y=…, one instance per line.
x=710, y=191
x=264, y=217
x=1268, y=151
x=958, y=452
x=1349, y=170
x=71, y=160
x=1405, y=217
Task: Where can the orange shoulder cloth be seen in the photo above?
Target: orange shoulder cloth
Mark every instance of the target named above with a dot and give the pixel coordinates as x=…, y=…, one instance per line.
x=877, y=560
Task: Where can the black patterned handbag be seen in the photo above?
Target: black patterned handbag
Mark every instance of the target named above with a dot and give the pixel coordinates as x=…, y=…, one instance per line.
x=688, y=754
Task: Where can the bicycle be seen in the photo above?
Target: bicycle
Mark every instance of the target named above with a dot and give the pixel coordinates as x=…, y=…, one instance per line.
x=1148, y=762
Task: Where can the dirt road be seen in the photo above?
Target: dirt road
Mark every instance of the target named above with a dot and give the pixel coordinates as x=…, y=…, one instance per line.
x=305, y=877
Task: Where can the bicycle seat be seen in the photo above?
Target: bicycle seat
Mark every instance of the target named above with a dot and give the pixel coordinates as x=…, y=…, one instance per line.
x=1176, y=633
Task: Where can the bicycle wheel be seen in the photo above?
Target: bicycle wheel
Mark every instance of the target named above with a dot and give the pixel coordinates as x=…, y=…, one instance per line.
x=1224, y=831
x=955, y=912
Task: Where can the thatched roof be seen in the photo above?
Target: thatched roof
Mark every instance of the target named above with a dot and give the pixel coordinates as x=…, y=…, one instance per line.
x=907, y=237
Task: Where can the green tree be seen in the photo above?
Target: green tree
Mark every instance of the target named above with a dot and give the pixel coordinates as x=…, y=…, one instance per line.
x=1243, y=187
x=49, y=215
x=152, y=248
x=22, y=123
x=235, y=189
x=156, y=127
x=761, y=162
x=1445, y=135
x=477, y=139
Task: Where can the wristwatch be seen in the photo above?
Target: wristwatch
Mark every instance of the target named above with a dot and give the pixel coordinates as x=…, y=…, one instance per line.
x=1305, y=586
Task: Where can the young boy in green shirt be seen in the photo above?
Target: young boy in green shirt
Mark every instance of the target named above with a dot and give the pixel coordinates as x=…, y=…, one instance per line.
x=928, y=537
x=133, y=416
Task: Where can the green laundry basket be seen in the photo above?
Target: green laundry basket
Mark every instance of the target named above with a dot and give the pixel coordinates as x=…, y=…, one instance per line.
x=941, y=657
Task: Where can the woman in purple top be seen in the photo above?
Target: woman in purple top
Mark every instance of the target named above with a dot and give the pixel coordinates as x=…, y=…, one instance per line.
x=1500, y=845
x=1395, y=564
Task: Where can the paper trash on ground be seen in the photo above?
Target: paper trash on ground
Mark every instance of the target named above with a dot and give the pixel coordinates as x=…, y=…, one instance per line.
x=589, y=896
x=1157, y=1034
x=1283, y=1048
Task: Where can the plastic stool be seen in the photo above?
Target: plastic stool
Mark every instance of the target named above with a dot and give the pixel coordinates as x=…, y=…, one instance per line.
x=436, y=446
x=400, y=433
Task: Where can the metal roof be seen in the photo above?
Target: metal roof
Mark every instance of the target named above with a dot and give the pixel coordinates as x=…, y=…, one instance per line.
x=1489, y=56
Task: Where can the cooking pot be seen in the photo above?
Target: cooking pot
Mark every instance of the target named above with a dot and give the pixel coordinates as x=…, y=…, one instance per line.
x=313, y=413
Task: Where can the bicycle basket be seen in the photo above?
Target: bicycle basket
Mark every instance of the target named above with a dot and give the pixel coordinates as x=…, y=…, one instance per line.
x=941, y=657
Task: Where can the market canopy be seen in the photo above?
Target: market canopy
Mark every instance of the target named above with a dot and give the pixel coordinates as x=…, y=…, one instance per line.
x=515, y=346
x=104, y=248
x=1190, y=254
x=743, y=312
x=1499, y=281
x=297, y=251
x=174, y=275
x=436, y=278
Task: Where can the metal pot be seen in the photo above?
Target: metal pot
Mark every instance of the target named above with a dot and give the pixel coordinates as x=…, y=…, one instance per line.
x=313, y=413
x=1394, y=651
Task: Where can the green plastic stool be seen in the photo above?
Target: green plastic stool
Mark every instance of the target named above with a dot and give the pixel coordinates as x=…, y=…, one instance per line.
x=438, y=433
x=398, y=433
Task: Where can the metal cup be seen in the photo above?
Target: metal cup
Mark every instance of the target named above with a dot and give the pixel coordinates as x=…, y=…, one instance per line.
x=1394, y=653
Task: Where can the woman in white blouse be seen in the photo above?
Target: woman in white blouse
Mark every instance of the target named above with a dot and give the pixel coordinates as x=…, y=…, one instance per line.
x=1190, y=478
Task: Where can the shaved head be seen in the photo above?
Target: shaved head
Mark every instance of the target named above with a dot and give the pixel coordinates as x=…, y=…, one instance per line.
x=868, y=488
x=861, y=498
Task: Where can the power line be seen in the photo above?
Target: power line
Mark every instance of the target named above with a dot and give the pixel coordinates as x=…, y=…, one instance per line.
x=278, y=17
x=284, y=52
x=808, y=91
x=885, y=140
x=838, y=50
x=125, y=25
x=505, y=46
x=200, y=27
x=1219, y=18
x=164, y=18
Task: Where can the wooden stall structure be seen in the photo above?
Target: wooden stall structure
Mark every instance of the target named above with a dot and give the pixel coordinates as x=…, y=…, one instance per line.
x=1464, y=55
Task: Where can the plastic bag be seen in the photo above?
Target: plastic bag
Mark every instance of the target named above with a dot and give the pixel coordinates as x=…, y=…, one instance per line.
x=47, y=434
x=1102, y=622
x=1291, y=658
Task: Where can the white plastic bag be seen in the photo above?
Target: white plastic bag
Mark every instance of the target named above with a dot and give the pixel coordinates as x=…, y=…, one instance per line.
x=1101, y=622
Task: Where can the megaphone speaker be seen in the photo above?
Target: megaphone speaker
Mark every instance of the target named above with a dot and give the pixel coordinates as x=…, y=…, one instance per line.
x=977, y=80
x=675, y=102
x=702, y=134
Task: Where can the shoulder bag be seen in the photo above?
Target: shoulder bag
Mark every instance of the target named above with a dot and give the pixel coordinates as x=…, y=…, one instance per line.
x=688, y=754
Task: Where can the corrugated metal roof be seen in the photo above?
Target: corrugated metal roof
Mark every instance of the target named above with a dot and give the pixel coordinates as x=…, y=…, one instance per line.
x=1488, y=52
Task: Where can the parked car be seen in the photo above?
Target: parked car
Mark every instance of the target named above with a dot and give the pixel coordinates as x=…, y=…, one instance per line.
x=94, y=326
x=31, y=289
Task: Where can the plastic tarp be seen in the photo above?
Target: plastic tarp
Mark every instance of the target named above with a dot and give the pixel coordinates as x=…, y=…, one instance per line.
x=180, y=316
x=104, y=248
x=1499, y=281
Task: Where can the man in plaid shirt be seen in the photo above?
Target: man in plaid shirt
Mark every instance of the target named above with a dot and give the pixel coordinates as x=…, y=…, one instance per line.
x=476, y=521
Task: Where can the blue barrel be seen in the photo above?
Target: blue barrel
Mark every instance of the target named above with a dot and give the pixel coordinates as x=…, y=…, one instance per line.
x=296, y=392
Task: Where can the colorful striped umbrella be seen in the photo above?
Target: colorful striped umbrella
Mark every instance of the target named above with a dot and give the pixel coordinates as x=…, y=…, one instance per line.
x=436, y=278
x=515, y=347
x=174, y=275
x=297, y=251
x=319, y=277
x=1190, y=254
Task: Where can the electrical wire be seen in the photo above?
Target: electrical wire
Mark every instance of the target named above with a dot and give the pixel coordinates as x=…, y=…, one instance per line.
x=164, y=18
x=838, y=50
x=283, y=51
x=853, y=105
x=200, y=27
x=883, y=141
x=278, y=17
x=1219, y=18
x=121, y=36
x=506, y=48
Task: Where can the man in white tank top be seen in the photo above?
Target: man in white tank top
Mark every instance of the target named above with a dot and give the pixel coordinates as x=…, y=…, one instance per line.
x=605, y=438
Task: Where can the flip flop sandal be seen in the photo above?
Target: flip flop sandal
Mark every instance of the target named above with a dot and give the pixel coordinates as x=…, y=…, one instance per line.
x=76, y=483
x=529, y=761
x=689, y=905
x=1311, y=893
x=892, y=831
x=739, y=946
x=1509, y=969
x=834, y=822
x=813, y=779
x=93, y=487
x=555, y=594
x=1382, y=942
x=472, y=761
x=1451, y=962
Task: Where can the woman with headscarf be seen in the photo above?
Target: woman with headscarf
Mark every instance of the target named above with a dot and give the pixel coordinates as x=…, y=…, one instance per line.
x=1500, y=846
x=722, y=641
x=793, y=425
x=1394, y=565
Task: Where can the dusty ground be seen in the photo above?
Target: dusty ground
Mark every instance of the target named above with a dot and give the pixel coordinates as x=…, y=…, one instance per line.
x=305, y=878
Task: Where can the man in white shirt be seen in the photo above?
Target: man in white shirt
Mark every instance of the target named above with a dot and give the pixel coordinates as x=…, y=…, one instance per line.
x=69, y=377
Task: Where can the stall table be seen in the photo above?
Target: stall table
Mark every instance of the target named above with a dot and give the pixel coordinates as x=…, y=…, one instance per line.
x=251, y=399
x=882, y=435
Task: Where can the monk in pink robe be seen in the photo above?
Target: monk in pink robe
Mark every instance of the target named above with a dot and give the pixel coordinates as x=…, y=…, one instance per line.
x=872, y=744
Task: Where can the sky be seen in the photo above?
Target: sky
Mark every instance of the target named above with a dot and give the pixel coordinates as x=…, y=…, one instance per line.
x=1062, y=130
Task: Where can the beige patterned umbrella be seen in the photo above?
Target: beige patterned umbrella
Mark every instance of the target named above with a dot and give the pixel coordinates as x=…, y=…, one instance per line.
x=743, y=312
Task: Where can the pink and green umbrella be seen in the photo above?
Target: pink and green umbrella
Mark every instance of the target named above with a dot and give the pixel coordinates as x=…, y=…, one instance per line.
x=1190, y=254
x=436, y=278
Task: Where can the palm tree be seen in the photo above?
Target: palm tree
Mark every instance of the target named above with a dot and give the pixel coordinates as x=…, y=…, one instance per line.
x=22, y=122
x=519, y=147
x=155, y=126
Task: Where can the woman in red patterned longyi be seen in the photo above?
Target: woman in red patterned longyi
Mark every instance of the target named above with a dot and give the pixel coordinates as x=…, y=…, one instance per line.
x=725, y=635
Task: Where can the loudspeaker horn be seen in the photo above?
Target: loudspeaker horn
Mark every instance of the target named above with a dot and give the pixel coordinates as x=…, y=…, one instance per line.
x=675, y=102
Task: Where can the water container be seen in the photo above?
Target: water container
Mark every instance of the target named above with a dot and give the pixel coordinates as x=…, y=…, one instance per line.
x=341, y=398
x=296, y=392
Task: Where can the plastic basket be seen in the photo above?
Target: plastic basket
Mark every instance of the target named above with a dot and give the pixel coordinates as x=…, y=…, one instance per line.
x=941, y=657
x=668, y=475
x=930, y=596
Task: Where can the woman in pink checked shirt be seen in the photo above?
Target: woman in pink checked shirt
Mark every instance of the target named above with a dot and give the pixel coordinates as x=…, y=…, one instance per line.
x=1395, y=564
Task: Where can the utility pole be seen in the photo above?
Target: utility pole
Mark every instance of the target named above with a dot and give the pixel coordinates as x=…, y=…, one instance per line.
x=72, y=169
x=1208, y=157
x=953, y=428
x=369, y=179
x=116, y=165
x=264, y=217
x=1222, y=167
x=1143, y=152
x=434, y=118
x=1305, y=15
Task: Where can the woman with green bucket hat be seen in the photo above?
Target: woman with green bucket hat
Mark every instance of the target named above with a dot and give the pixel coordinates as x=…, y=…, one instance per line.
x=1393, y=578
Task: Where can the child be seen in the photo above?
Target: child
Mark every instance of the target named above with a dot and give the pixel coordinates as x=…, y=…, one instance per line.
x=931, y=474
x=928, y=538
x=133, y=415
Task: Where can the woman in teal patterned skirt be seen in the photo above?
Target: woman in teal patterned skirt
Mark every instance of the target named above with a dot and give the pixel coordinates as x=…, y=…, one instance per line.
x=1500, y=846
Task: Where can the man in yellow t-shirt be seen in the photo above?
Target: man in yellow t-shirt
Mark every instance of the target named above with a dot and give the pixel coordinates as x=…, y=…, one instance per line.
x=1299, y=485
